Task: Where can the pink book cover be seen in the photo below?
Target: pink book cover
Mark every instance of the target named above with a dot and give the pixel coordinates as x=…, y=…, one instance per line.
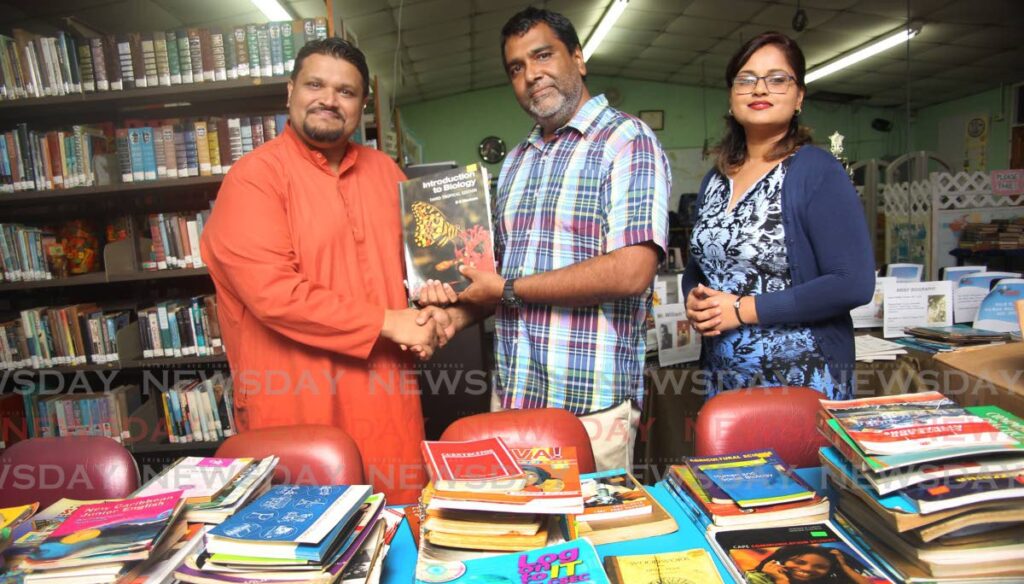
x=126, y=511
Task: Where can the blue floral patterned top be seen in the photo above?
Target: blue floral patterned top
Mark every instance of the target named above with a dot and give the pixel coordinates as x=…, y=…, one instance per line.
x=743, y=252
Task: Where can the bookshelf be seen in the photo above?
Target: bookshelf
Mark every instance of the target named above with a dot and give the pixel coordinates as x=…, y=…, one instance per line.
x=123, y=285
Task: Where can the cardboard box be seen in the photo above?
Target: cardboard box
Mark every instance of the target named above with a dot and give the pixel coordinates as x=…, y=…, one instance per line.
x=989, y=375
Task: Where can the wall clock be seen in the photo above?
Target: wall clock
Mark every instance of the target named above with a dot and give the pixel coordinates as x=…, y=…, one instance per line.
x=492, y=150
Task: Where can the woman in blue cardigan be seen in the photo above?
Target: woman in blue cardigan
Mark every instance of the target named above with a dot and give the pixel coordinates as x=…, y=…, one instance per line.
x=780, y=252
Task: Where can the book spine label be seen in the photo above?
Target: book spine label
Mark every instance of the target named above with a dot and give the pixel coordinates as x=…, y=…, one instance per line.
x=163, y=66
x=173, y=58
x=149, y=153
x=185, y=57
x=241, y=50
x=137, y=154
x=150, y=62
x=234, y=139
x=212, y=139
x=252, y=42
x=99, y=63
x=202, y=148
x=195, y=49
x=170, y=158
x=219, y=56
x=266, y=60
x=138, y=60
x=88, y=69
x=160, y=151
x=276, y=48
x=287, y=48
x=192, y=155
x=205, y=54
x=180, y=150
x=124, y=56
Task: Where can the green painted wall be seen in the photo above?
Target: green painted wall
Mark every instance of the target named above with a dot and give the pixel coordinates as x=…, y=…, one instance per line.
x=997, y=102
x=450, y=128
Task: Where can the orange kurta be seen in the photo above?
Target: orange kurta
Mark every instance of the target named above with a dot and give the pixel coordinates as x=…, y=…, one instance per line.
x=305, y=263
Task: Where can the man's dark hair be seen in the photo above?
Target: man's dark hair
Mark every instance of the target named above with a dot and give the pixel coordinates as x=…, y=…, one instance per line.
x=339, y=49
x=522, y=22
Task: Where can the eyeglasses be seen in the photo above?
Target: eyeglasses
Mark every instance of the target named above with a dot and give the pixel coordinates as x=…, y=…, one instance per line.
x=776, y=83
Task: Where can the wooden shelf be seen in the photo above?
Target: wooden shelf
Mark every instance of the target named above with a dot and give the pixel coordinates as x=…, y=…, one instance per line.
x=98, y=278
x=174, y=361
x=83, y=280
x=163, y=186
x=149, y=98
x=158, y=447
x=159, y=362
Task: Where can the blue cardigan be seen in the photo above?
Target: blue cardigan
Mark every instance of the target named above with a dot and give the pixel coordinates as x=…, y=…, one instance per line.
x=831, y=262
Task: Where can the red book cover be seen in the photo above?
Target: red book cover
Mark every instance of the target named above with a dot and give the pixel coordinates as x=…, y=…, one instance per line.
x=477, y=461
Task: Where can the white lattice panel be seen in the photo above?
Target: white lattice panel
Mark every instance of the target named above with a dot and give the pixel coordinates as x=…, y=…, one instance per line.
x=961, y=183
x=968, y=191
x=904, y=198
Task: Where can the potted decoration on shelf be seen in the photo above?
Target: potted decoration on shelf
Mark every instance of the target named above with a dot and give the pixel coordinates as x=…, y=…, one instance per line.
x=81, y=246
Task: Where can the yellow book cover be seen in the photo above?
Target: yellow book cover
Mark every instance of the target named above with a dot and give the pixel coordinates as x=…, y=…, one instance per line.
x=686, y=567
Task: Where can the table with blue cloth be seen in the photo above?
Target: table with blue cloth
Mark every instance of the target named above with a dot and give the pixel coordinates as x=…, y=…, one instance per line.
x=400, y=563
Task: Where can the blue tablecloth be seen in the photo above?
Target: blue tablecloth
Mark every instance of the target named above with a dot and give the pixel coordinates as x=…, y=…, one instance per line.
x=400, y=563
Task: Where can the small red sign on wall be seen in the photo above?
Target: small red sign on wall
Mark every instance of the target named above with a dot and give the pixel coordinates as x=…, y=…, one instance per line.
x=1008, y=182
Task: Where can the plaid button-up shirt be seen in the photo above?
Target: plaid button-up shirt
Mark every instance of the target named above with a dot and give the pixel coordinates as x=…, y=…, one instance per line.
x=600, y=185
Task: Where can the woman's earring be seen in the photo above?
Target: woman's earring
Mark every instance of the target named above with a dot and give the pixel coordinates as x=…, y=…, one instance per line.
x=730, y=112
x=798, y=110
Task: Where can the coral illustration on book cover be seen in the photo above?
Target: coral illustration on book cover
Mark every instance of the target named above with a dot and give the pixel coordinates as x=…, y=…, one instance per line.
x=446, y=221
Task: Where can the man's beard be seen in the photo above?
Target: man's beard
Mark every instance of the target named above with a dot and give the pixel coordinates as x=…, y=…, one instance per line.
x=562, y=108
x=321, y=134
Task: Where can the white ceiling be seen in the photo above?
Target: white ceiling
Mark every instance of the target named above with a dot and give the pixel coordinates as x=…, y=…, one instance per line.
x=452, y=46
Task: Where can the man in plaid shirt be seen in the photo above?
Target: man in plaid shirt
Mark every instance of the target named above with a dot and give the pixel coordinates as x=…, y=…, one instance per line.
x=581, y=221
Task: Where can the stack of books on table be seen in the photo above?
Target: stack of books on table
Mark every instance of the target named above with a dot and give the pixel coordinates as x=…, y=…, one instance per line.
x=618, y=508
x=98, y=542
x=214, y=488
x=869, y=348
x=932, y=490
x=485, y=497
x=935, y=339
x=291, y=534
x=754, y=488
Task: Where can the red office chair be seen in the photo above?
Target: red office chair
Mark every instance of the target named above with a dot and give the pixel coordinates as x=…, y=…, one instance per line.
x=780, y=418
x=528, y=428
x=77, y=467
x=310, y=454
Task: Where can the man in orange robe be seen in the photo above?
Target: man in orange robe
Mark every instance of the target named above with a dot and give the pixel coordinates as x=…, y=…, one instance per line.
x=305, y=249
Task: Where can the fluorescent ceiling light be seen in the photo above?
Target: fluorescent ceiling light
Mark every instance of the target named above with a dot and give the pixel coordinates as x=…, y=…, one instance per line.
x=859, y=55
x=615, y=10
x=272, y=9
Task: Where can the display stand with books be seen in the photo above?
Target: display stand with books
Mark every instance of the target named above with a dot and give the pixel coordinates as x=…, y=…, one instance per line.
x=930, y=490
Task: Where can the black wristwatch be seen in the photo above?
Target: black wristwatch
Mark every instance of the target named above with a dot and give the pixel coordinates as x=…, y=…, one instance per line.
x=508, y=295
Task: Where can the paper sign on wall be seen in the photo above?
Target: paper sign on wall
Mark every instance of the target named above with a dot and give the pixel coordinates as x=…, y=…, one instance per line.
x=1008, y=182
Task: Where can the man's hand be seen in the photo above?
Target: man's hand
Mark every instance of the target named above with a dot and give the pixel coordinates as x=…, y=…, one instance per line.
x=444, y=326
x=704, y=310
x=434, y=293
x=484, y=289
x=401, y=328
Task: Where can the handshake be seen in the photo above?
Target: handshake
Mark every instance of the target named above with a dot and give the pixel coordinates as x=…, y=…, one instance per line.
x=421, y=331
x=424, y=330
